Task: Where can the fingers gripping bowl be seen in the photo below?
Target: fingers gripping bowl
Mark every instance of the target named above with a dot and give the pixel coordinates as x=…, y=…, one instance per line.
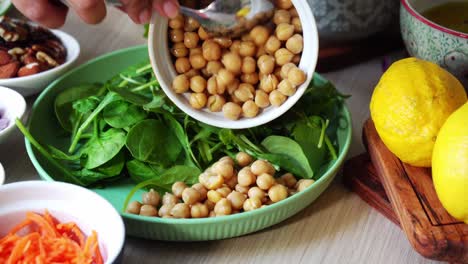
x=160, y=55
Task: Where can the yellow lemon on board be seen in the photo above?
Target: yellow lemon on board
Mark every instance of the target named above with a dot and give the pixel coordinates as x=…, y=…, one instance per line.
x=450, y=164
x=410, y=104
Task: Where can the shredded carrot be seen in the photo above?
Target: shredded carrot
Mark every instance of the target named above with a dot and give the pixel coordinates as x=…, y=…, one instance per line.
x=49, y=241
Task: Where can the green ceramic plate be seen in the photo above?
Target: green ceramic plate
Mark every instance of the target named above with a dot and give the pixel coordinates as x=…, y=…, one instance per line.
x=44, y=126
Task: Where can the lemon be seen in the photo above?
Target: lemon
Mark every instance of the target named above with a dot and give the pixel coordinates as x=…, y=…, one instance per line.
x=410, y=104
x=450, y=164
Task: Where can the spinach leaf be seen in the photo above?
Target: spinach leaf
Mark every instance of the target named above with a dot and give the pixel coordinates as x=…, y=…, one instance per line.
x=292, y=158
x=121, y=114
x=152, y=141
x=86, y=105
x=99, y=150
x=140, y=171
x=114, y=166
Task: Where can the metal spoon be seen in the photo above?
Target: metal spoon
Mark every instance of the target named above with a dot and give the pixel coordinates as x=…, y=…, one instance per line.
x=226, y=17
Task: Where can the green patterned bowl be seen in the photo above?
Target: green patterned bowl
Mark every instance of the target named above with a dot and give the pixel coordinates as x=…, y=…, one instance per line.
x=429, y=41
x=44, y=126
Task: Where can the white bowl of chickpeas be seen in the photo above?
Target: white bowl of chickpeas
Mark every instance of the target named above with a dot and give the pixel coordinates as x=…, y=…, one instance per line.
x=240, y=82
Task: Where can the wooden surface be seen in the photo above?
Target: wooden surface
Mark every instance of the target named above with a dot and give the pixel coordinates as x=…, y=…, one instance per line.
x=430, y=229
x=337, y=228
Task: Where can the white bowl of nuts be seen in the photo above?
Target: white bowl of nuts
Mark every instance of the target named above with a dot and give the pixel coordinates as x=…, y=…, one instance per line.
x=236, y=83
x=31, y=57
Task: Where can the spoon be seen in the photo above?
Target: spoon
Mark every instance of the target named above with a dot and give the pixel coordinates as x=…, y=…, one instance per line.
x=226, y=17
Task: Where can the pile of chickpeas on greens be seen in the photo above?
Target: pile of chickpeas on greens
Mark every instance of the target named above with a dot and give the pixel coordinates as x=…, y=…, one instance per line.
x=238, y=76
x=227, y=187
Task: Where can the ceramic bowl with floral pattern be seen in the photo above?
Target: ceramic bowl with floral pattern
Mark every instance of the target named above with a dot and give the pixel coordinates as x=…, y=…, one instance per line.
x=429, y=41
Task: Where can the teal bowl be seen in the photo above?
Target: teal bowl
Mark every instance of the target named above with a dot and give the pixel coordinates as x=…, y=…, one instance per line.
x=45, y=128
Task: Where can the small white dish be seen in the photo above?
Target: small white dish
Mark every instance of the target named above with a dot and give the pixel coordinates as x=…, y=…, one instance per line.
x=33, y=84
x=66, y=202
x=12, y=106
x=163, y=68
x=2, y=174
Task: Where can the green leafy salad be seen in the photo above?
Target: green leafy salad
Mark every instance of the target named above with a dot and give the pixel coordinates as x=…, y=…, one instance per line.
x=127, y=127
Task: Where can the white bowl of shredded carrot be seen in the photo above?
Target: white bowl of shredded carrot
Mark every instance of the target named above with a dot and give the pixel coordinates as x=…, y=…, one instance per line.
x=54, y=222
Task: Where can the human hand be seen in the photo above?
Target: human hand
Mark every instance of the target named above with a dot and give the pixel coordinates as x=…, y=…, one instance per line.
x=52, y=13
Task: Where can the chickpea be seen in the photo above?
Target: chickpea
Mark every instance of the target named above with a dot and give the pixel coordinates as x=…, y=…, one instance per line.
x=247, y=48
x=286, y=87
x=277, y=73
x=190, y=196
x=232, y=62
x=191, y=24
x=241, y=188
x=293, y=12
x=133, y=207
x=245, y=92
x=181, y=210
x=283, y=56
x=224, y=191
x=209, y=204
x=272, y=45
x=252, y=204
x=180, y=84
x=213, y=86
x=177, y=22
x=215, y=103
x=266, y=64
x=246, y=37
x=296, y=76
x=243, y=159
x=212, y=214
x=179, y=50
x=232, y=182
x=198, y=100
x=178, y=188
x=224, y=42
x=191, y=40
x=191, y=73
x=303, y=184
x=232, y=111
x=148, y=210
x=211, y=50
x=211, y=182
x=203, y=34
x=201, y=190
x=212, y=67
x=278, y=193
x=296, y=22
x=246, y=177
x=262, y=99
x=196, y=50
x=284, y=31
x=197, y=84
x=250, y=78
x=224, y=77
x=268, y=83
x=236, y=199
x=230, y=88
x=169, y=198
x=250, y=109
x=233, y=98
x=289, y=180
x=224, y=169
x=260, y=52
x=235, y=46
x=176, y=35
x=277, y=98
x=295, y=44
x=152, y=198
x=281, y=16
x=249, y=65
x=199, y=210
x=259, y=34
x=265, y=181
x=256, y=192
x=286, y=68
x=165, y=210
x=214, y=196
x=259, y=167
x=223, y=207
x=283, y=4
x=182, y=65
x=197, y=61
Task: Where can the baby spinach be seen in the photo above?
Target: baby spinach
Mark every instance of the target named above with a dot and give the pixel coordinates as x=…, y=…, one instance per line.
x=102, y=148
x=121, y=114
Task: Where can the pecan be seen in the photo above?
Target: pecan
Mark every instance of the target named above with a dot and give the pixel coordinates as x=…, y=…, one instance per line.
x=16, y=52
x=44, y=57
x=29, y=69
x=9, y=70
x=4, y=57
x=12, y=30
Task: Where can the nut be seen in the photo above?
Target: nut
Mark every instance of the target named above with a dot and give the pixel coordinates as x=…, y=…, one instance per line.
x=9, y=70
x=44, y=57
x=4, y=57
x=29, y=69
x=15, y=52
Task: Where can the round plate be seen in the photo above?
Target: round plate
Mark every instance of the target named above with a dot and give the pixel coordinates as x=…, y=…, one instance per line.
x=44, y=127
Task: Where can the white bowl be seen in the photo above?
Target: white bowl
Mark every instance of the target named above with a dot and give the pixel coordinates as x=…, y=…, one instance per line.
x=66, y=202
x=13, y=106
x=165, y=72
x=33, y=84
x=2, y=174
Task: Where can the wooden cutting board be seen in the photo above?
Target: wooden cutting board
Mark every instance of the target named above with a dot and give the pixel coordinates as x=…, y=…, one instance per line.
x=430, y=229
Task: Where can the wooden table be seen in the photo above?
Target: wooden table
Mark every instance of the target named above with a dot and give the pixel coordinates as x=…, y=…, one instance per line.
x=337, y=228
